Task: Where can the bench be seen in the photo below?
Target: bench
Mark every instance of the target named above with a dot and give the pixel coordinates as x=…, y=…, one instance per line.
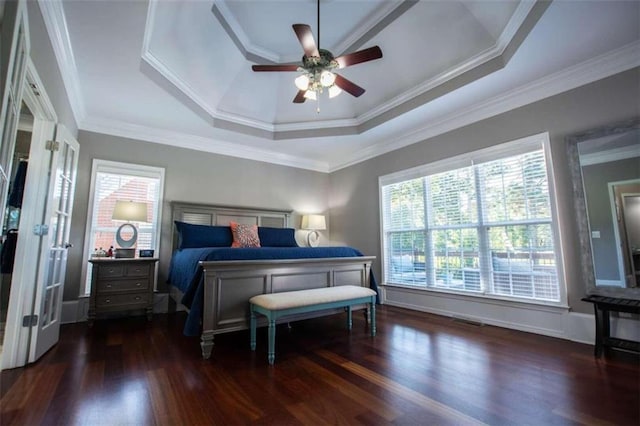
x=277, y=305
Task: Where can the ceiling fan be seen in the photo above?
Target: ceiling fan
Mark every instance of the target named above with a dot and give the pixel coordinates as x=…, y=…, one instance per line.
x=318, y=65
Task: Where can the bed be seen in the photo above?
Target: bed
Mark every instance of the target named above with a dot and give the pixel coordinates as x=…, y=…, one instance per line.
x=216, y=282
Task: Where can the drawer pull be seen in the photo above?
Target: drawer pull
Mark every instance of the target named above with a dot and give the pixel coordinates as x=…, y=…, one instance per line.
x=108, y=285
x=107, y=301
x=137, y=297
x=111, y=271
x=137, y=269
x=138, y=284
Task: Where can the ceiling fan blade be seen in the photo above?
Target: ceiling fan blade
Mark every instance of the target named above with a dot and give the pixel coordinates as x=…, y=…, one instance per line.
x=358, y=57
x=348, y=86
x=277, y=67
x=305, y=35
x=299, y=99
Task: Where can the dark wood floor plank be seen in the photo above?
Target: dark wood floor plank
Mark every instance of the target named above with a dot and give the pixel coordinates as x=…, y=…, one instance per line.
x=419, y=369
x=349, y=390
x=400, y=390
x=42, y=390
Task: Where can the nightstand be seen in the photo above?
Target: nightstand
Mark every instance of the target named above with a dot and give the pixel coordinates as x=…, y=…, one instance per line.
x=121, y=285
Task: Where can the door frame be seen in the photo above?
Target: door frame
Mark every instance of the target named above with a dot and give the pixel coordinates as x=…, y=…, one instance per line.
x=15, y=349
x=616, y=216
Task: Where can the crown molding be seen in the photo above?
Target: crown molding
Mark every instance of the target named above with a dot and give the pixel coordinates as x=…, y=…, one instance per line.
x=378, y=21
x=58, y=31
x=515, y=22
x=198, y=143
x=431, y=84
x=192, y=94
x=354, y=125
x=587, y=72
x=234, y=30
x=361, y=34
x=606, y=65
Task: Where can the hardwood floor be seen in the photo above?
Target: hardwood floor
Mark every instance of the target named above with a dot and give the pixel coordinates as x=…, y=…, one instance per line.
x=420, y=369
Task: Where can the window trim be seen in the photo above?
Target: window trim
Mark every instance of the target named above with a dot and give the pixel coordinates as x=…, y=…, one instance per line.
x=495, y=152
x=117, y=167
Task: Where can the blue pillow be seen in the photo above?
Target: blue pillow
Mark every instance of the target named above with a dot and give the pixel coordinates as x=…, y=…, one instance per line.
x=277, y=237
x=196, y=236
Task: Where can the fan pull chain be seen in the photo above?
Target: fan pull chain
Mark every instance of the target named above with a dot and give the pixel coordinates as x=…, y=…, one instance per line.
x=318, y=103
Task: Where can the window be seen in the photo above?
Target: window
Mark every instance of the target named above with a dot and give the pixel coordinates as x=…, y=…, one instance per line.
x=481, y=224
x=111, y=181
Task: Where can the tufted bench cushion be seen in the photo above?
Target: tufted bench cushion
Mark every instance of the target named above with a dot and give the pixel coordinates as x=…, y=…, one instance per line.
x=276, y=305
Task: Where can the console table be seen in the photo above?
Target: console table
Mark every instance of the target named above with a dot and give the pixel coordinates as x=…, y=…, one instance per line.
x=603, y=306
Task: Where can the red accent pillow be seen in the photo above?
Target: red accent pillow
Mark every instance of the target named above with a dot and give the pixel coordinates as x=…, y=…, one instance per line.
x=244, y=235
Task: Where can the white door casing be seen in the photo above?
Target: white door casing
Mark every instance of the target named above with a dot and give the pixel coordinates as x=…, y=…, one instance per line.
x=55, y=244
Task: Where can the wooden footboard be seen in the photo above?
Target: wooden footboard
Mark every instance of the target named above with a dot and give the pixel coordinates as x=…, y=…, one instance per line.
x=228, y=286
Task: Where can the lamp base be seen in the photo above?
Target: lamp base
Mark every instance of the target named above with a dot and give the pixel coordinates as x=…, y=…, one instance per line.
x=313, y=239
x=125, y=253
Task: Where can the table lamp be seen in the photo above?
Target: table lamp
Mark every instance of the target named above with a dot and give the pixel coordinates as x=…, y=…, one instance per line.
x=314, y=223
x=129, y=211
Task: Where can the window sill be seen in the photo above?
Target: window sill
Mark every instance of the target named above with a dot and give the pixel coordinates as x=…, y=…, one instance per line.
x=483, y=298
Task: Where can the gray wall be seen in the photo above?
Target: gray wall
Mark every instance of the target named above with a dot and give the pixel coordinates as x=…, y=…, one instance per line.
x=353, y=195
x=195, y=177
x=596, y=178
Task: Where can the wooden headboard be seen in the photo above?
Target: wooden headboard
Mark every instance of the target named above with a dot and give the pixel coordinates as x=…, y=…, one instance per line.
x=207, y=214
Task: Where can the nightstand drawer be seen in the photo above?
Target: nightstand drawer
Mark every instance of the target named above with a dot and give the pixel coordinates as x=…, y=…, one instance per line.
x=109, y=286
x=122, y=300
x=136, y=270
x=110, y=271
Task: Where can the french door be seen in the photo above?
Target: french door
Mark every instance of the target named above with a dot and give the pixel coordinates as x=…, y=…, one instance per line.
x=55, y=229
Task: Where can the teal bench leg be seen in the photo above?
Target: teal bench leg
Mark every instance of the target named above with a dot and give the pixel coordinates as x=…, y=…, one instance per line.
x=373, y=317
x=349, y=321
x=272, y=341
x=252, y=327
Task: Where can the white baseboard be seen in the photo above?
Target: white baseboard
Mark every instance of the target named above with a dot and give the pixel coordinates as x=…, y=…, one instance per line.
x=547, y=321
x=76, y=310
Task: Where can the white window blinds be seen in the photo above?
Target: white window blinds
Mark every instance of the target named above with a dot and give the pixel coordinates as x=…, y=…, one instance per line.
x=483, y=229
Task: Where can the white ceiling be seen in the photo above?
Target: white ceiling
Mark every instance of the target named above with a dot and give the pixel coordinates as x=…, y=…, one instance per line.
x=179, y=72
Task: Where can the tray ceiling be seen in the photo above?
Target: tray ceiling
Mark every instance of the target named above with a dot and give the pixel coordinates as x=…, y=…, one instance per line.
x=179, y=72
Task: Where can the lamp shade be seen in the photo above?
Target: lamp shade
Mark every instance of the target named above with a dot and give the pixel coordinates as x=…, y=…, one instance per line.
x=315, y=222
x=130, y=211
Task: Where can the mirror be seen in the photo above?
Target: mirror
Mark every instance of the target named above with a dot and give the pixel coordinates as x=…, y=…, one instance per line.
x=605, y=170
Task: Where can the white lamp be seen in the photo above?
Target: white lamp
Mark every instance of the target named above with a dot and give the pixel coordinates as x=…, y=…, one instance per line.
x=129, y=211
x=314, y=223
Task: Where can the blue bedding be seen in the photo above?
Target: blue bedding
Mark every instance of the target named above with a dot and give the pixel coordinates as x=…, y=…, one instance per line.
x=186, y=274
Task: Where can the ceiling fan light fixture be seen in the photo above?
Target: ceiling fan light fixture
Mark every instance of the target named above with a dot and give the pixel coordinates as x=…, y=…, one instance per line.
x=334, y=91
x=316, y=70
x=327, y=78
x=302, y=82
